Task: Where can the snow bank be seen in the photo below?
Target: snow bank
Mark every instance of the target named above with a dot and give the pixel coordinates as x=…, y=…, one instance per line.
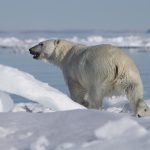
x=23, y=84
x=73, y=130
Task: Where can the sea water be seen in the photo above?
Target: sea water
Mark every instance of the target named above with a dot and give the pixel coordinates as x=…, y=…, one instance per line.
x=14, y=52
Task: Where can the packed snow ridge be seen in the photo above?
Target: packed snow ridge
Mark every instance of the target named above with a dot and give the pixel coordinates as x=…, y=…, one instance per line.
x=23, y=84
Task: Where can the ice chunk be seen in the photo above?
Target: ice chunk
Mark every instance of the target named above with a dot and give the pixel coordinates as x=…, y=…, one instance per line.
x=6, y=103
x=23, y=84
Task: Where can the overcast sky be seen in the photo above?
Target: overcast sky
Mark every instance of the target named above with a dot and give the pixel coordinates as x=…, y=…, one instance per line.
x=74, y=14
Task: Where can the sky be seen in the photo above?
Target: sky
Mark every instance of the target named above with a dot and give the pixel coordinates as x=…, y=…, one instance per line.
x=74, y=14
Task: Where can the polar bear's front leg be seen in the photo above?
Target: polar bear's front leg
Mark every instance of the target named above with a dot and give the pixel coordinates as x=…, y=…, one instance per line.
x=77, y=92
x=134, y=93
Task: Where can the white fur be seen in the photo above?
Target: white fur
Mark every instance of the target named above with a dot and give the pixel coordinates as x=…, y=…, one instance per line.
x=93, y=72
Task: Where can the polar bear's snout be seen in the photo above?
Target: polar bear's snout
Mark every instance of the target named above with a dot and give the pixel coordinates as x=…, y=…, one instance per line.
x=43, y=50
x=35, y=54
x=35, y=51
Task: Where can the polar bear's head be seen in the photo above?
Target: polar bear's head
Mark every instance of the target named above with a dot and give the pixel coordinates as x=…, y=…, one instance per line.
x=44, y=49
x=142, y=109
x=53, y=50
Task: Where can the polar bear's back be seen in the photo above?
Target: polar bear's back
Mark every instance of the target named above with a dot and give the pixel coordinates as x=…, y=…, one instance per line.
x=102, y=62
x=104, y=52
x=106, y=56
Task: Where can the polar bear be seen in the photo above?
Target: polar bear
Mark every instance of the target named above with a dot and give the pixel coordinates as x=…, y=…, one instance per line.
x=93, y=72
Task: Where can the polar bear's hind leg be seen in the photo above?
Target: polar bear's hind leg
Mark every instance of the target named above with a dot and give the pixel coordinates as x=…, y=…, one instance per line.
x=77, y=92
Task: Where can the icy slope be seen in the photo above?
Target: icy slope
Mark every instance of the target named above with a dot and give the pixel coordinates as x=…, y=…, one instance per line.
x=23, y=84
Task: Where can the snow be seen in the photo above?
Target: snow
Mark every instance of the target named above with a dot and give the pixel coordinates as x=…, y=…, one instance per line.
x=30, y=107
x=72, y=130
x=6, y=102
x=41, y=144
x=124, y=127
x=5, y=132
x=23, y=84
x=53, y=121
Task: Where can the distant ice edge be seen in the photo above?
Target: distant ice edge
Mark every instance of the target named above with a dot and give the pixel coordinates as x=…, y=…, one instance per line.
x=23, y=84
x=132, y=41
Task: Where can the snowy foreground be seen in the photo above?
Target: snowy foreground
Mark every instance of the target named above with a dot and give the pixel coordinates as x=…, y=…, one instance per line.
x=52, y=121
x=73, y=130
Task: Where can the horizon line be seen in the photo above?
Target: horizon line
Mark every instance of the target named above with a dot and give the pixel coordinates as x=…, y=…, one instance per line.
x=72, y=30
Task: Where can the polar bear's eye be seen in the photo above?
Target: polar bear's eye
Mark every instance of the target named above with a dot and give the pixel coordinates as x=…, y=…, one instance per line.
x=145, y=110
x=41, y=44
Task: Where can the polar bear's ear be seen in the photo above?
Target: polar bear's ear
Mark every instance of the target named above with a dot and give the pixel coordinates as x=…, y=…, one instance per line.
x=56, y=42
